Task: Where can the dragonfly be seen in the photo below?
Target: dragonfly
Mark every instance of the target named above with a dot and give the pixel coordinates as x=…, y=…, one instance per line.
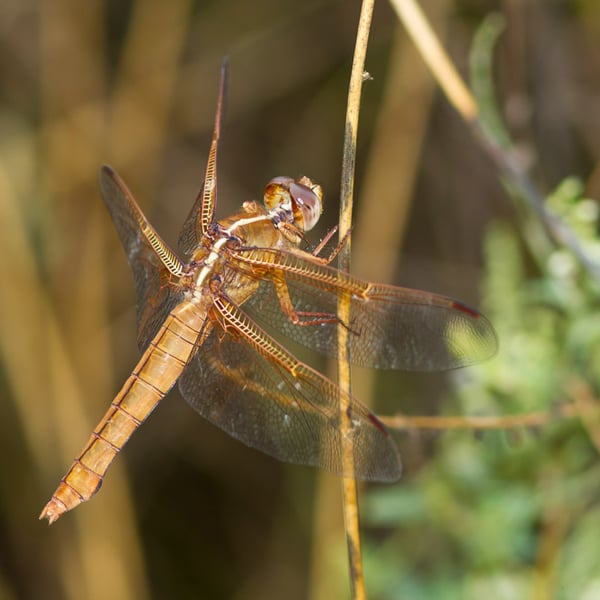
x=211, y=317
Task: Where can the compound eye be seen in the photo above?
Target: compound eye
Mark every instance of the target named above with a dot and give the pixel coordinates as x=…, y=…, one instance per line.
x=300, y=198
x=306, y=203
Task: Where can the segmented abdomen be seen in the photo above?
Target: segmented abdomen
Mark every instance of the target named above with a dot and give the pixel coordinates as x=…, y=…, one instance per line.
x=155, y=374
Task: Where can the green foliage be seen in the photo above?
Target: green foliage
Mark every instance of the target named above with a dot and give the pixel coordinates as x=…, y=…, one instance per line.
x=512, y=513
x=509, y=512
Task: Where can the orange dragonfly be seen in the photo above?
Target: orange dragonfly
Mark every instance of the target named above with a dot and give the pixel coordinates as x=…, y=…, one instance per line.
x=205, y=317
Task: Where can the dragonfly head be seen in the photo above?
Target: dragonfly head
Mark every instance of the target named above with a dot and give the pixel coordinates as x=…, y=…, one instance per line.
x=301, y=198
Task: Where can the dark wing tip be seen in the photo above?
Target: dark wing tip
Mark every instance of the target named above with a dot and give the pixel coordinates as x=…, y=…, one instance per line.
x=475, y=314
x=106, y=170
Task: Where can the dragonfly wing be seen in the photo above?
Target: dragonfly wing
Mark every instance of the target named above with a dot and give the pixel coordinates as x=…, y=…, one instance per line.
x=201, y=216
x=280, y=405
x=156, y=294
x=390, y=327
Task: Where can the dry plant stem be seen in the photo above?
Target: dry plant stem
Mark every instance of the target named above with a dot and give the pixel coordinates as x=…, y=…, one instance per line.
x=463, y=101
x=424, y=38
x=581, y=404
x=350, y=488
x=535, y=419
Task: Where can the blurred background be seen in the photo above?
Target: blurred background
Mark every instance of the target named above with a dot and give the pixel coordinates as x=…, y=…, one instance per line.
x=187, y=512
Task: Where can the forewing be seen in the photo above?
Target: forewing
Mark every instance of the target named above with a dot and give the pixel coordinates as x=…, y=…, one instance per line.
x=190, y=234
x=282, y=407
x=156, y=294
x=390, y=327
x=201, y=216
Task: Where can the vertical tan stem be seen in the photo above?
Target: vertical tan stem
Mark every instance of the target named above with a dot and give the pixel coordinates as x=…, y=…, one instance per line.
x=350, y=486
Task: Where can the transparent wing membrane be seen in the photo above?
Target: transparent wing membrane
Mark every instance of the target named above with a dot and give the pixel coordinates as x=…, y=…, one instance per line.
x=281, y=406
x=390, y=327
x=155, y=293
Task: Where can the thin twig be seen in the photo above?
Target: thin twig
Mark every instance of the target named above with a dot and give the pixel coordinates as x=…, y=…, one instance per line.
x=433, y=53
x=350, y=486
x=535, y=419
x=581, y=403
x=463, y=101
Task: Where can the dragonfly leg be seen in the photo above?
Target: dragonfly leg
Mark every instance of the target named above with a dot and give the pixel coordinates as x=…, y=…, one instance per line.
x=303, y=317
x=318, y=249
